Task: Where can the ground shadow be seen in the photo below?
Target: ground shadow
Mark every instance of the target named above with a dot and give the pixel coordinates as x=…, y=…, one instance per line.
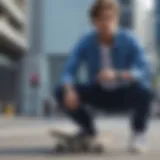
x=25, y=151
x=49, y=152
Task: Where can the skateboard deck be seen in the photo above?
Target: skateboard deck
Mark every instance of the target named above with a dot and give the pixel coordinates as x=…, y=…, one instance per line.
x=67, y=142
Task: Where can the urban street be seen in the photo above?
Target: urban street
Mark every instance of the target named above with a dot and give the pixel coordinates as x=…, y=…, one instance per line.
x=24, y=139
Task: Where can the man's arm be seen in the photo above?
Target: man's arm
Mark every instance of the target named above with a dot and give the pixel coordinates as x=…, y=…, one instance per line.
x=71, y=98
x=73, y=64
x=140, y=67
x=139, y=63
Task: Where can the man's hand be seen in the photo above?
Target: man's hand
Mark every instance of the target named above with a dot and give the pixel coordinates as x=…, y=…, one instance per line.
x=71, y=99
x=106, y=76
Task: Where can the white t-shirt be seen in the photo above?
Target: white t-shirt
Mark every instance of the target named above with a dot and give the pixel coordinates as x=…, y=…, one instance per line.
x=106, y=62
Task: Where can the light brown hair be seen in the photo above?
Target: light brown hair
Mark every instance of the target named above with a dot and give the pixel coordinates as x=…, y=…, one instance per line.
x=101, y=5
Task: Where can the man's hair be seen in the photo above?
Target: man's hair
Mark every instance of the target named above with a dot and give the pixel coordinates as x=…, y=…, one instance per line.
x=101, y=5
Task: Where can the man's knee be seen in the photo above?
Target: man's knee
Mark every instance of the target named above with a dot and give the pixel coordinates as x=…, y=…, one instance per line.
x=140, y=98
x=142, y=93
x=145, y=93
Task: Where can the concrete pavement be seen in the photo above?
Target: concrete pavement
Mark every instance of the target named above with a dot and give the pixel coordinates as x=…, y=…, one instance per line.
x=27, y=139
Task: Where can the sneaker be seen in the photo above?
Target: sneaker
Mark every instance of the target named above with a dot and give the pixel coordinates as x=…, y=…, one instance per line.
x=138, y=143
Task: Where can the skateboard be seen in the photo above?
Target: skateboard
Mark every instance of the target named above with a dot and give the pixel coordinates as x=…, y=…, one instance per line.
x=68, y=143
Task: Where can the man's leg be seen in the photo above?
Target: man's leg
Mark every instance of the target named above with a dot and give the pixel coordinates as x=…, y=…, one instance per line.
x=140, y=99
x=89, y=94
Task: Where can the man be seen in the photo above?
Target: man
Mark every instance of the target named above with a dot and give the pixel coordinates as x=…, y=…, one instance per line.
x=118, y=74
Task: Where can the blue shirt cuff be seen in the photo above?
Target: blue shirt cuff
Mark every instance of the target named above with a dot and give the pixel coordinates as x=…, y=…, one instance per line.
x=136, y=74
x=67, y=79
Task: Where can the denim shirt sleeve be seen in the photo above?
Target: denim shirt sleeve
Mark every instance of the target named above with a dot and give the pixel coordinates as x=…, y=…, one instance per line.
x=73, y=62
x=140, y=67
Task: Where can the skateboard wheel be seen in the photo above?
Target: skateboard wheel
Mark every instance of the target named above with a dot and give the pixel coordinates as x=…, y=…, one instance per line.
x=98, y=149
x=60, y=149
x=85, y=148
x=76, y=148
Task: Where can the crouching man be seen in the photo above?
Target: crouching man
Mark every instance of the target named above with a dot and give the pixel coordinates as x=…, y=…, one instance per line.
x=118, y=72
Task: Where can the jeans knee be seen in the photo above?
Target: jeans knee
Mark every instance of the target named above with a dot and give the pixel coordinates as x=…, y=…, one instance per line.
x=144, y=93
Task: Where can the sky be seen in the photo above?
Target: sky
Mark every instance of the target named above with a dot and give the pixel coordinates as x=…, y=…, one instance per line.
x=149, y=3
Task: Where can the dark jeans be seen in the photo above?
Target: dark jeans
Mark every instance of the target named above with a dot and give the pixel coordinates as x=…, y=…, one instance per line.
x=136, y=98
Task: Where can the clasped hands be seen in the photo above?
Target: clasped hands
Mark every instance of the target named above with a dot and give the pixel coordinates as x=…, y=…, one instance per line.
x=71, y=98
x=108, y=75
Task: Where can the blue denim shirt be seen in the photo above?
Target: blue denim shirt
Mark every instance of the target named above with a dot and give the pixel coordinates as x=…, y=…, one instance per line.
x=127, y=54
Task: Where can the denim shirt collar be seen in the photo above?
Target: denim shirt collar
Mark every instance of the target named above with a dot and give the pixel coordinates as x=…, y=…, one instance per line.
x=116, y=42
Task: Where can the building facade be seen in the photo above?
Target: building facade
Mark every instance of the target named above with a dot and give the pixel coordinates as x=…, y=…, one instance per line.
x=55, y=27
x=13, y=45
x=157, y=22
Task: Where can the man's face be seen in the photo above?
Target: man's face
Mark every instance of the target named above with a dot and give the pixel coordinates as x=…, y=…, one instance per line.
x=106, y=22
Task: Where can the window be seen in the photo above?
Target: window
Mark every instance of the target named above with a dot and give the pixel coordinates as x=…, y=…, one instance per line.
x=5, y=61
x=2, y=11
x=126, y=19
x=21, y=4
x=15, y=25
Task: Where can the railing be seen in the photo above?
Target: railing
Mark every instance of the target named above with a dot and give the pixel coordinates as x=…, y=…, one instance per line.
x=22, y=4
x=14, y=11
x=12, y=35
